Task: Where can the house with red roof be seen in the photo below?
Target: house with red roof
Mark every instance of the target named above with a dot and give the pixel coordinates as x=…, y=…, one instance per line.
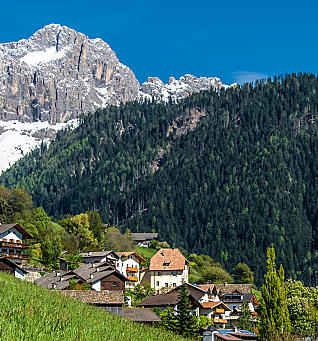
x=168, y=269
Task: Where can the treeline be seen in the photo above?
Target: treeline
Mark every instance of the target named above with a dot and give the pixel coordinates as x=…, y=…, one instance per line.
x=243, y=180
x=74, y=234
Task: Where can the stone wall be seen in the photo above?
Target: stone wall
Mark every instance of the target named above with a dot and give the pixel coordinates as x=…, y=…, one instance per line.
x=104, y=297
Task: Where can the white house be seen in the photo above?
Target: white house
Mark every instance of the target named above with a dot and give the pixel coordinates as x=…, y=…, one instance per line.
x=128, y=265
x=167, y=270
x=11, y=247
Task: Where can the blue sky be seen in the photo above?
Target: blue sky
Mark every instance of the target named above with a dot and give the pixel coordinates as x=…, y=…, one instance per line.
x=234, y=40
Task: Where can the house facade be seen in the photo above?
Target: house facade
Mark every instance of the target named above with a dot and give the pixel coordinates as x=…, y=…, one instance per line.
x=168, y=269
x=11, y=246
x=128, y=265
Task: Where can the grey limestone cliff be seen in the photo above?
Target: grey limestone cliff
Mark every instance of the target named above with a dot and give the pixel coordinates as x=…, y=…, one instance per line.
x=58, y=73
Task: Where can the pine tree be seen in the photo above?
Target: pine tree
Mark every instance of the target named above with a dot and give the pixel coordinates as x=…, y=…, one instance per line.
x=273, y=312
x=185, y=321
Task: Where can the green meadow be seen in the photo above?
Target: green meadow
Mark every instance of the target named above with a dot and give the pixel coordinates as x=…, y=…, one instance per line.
x=29, y=312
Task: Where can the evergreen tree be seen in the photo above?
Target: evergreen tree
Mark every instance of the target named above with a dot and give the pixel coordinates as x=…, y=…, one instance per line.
x=273, y=311
x=185, y=321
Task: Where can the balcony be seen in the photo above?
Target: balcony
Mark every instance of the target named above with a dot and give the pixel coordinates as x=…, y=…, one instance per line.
x=14, y=256
x=7, y=243
x=130, y=269
x=132, y=278
x=222, y=321
x=219, y=311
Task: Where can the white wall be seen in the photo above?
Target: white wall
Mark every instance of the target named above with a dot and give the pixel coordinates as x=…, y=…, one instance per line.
x=11, y=234
x=18, y=273
x=132, y=262
x=168, y=277
x=96, y=286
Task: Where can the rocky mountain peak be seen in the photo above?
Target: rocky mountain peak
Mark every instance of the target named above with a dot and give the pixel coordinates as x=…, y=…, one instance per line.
x=57, y=74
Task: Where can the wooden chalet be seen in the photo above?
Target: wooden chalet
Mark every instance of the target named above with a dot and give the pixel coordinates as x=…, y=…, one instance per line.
x=11, y=246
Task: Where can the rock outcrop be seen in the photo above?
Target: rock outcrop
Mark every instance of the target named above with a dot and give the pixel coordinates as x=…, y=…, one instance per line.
x=58, y=74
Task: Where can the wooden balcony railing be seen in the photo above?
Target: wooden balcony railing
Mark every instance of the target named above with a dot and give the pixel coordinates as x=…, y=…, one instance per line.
x=13, y=245
x=216, y=320
x=130, y=269
x=133, y=279
x=14, y=256
x=219, y=311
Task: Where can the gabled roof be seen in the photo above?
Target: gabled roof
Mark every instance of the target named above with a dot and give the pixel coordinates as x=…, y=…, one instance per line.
x=160, y=300
x=130, y=253
x=99, y=254
x=98, y=276
x=6, y=227
x=12, y=265
x=194, y=290
x=140, y=237
x=168, y=259
x=86, y=270
x=223, y=289
x=212, y=305
x=140, y=315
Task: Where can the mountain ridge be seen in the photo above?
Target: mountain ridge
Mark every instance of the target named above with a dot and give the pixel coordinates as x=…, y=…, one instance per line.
x=58, y=74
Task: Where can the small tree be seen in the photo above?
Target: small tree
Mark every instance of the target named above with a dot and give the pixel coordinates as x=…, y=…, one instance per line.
x=181, y=321
x=51, y=249
x=243, y=274
x=273, y=311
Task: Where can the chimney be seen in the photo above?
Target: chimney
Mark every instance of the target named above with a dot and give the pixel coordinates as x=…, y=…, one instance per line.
x=57, y=274
x=97, y=269
x=92, y=276
x=236, y=329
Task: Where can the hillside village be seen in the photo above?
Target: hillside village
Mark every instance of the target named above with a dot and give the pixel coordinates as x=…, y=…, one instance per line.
x=105, y=279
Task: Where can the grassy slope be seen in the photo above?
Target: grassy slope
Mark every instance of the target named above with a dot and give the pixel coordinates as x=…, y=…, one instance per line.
x=146, y=252
x=28, y=312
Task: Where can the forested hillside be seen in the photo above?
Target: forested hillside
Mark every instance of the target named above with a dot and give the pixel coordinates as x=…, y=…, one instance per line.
x=226, y=174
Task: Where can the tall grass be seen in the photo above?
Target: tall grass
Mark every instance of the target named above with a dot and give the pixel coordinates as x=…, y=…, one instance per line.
x=28, y=312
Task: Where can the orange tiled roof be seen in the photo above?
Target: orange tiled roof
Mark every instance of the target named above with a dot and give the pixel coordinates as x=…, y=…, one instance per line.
x=211, y=305
x=168, y=259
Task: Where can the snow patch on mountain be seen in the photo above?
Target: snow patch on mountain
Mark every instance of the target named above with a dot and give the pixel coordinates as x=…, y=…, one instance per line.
x=17, y=138
x=48, y=55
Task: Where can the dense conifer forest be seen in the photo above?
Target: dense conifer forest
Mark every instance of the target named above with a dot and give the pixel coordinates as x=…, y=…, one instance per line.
x=225, y=174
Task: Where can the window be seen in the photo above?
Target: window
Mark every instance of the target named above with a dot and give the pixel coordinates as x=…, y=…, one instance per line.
x=166, y=285
x=159, y=273
x=114, y=284
x=129, y=257
x=174, y=285
x=174, y=273
x=157, y=283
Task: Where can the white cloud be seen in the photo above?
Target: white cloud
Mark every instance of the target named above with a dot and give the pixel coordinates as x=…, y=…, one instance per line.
x=241, y=77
